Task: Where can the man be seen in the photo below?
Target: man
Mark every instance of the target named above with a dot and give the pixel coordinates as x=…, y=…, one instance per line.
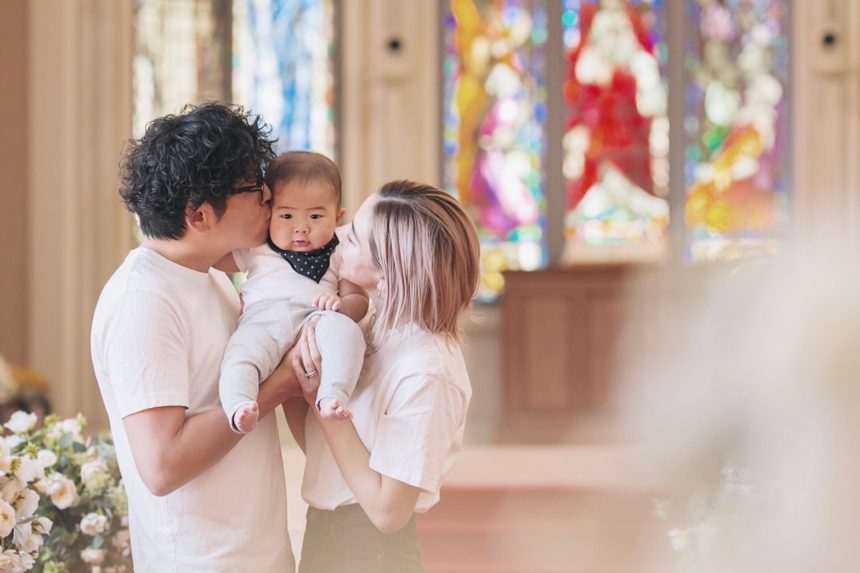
x=159, y=331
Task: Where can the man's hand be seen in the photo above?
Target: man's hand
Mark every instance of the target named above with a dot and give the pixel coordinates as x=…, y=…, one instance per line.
x=281, y=385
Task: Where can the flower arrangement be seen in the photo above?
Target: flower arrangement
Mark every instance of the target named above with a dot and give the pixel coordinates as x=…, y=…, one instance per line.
x=63, y=507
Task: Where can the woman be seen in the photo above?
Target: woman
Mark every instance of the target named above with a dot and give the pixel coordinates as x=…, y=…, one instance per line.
x=414, y=249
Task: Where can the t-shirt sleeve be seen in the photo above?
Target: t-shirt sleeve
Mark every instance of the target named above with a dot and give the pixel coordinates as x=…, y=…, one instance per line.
x=417, y=430
x=145, y=354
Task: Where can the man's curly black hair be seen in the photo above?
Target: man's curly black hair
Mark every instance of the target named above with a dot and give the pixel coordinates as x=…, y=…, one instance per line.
x=185, y=160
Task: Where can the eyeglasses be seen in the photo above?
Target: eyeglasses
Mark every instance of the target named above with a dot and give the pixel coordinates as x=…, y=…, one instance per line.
x=258, y=188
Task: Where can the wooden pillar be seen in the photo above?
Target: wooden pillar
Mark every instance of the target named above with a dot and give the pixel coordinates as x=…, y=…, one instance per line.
x=79, y=118
x=13, y=180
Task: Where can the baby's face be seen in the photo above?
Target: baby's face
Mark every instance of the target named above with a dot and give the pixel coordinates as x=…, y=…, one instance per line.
x=304, y=215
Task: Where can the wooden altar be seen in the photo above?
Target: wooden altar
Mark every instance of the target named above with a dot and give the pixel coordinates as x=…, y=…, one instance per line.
x=561, y=331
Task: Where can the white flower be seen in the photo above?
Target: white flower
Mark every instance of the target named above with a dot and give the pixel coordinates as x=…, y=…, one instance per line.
x=12, y=562
x=10, y=490
x=93, y=524
x=70, y=426
x=26, y=540
x=121, y=538
x=92, y=472
x=47, y=458
x=13, y=441
x=40, y=486
x=93, y=556
x=27, y=504
x=21, y=422
x=7, y=520
x=29, y=469
x=62, y=491
x=42, y=525
x=5, y=457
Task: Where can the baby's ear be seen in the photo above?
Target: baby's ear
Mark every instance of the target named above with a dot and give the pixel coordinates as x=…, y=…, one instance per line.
x=340, y=214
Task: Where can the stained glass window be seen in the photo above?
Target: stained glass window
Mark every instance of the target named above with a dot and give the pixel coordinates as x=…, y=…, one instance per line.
x=274, y=57
x=283, y=68
x=616, y=142
x=494, y=141
x=181, y=56
x=736, y=127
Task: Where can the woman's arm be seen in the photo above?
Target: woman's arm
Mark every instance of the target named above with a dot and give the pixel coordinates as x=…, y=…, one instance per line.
x=388, y=503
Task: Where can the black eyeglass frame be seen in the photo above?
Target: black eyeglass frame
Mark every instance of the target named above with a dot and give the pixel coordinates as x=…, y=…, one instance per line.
x=258, y=188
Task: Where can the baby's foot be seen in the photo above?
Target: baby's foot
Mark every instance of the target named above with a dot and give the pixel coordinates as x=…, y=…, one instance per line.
x=332, y=409
x=245, y=418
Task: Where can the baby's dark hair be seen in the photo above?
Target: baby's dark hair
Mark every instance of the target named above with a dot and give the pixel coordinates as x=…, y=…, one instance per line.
x=185, y=160
x=304, y=166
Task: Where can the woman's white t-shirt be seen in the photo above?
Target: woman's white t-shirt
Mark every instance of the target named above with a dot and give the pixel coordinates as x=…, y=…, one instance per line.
x=158, y=336
x=409, y=410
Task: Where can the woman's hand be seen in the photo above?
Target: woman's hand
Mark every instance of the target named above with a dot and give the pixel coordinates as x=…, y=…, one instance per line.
x=307, y=362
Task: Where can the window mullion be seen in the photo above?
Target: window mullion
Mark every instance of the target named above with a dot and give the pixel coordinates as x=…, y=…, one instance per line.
x=675, y=35
x=554, y=184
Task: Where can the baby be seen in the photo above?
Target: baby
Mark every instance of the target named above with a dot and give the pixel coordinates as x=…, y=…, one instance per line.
x=290, y=278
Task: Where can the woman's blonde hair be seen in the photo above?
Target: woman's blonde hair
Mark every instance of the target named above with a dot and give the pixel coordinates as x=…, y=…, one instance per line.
x=426, y=248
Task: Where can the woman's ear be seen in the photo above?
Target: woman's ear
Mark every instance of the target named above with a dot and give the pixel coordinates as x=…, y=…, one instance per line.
x=380, y=286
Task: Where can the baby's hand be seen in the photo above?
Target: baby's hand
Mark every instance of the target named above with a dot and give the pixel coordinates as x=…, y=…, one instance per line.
x=327, y=301
x=331, y=409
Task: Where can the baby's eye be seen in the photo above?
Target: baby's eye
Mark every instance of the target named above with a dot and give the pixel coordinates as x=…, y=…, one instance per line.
x=316, y=217
x=287, y=216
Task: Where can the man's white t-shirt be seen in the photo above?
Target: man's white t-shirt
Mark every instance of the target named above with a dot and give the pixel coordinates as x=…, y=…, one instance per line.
x=158, y=336
x=409, y=410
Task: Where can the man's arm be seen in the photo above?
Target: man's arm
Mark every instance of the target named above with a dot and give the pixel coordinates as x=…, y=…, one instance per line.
x=171, y=449
x=296, y=410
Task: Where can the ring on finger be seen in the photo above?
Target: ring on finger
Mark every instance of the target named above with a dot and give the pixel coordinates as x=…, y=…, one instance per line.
x=311, y=374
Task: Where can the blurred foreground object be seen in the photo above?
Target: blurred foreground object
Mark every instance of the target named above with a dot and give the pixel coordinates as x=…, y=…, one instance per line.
x=760, y=368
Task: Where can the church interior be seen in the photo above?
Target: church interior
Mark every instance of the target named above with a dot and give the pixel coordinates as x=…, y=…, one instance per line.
x=666, y=193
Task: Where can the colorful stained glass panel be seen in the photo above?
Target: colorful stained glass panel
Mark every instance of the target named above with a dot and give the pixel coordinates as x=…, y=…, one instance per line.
x=616, y=142
x=494, y=142
x=736, y=127
x=180, y=49
x=283, y=68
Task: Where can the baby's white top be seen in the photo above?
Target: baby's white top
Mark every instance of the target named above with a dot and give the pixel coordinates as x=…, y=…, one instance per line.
x=270, y=277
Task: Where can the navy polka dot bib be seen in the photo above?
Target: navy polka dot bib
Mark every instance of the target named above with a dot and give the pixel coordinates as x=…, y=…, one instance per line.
x=312, y=264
